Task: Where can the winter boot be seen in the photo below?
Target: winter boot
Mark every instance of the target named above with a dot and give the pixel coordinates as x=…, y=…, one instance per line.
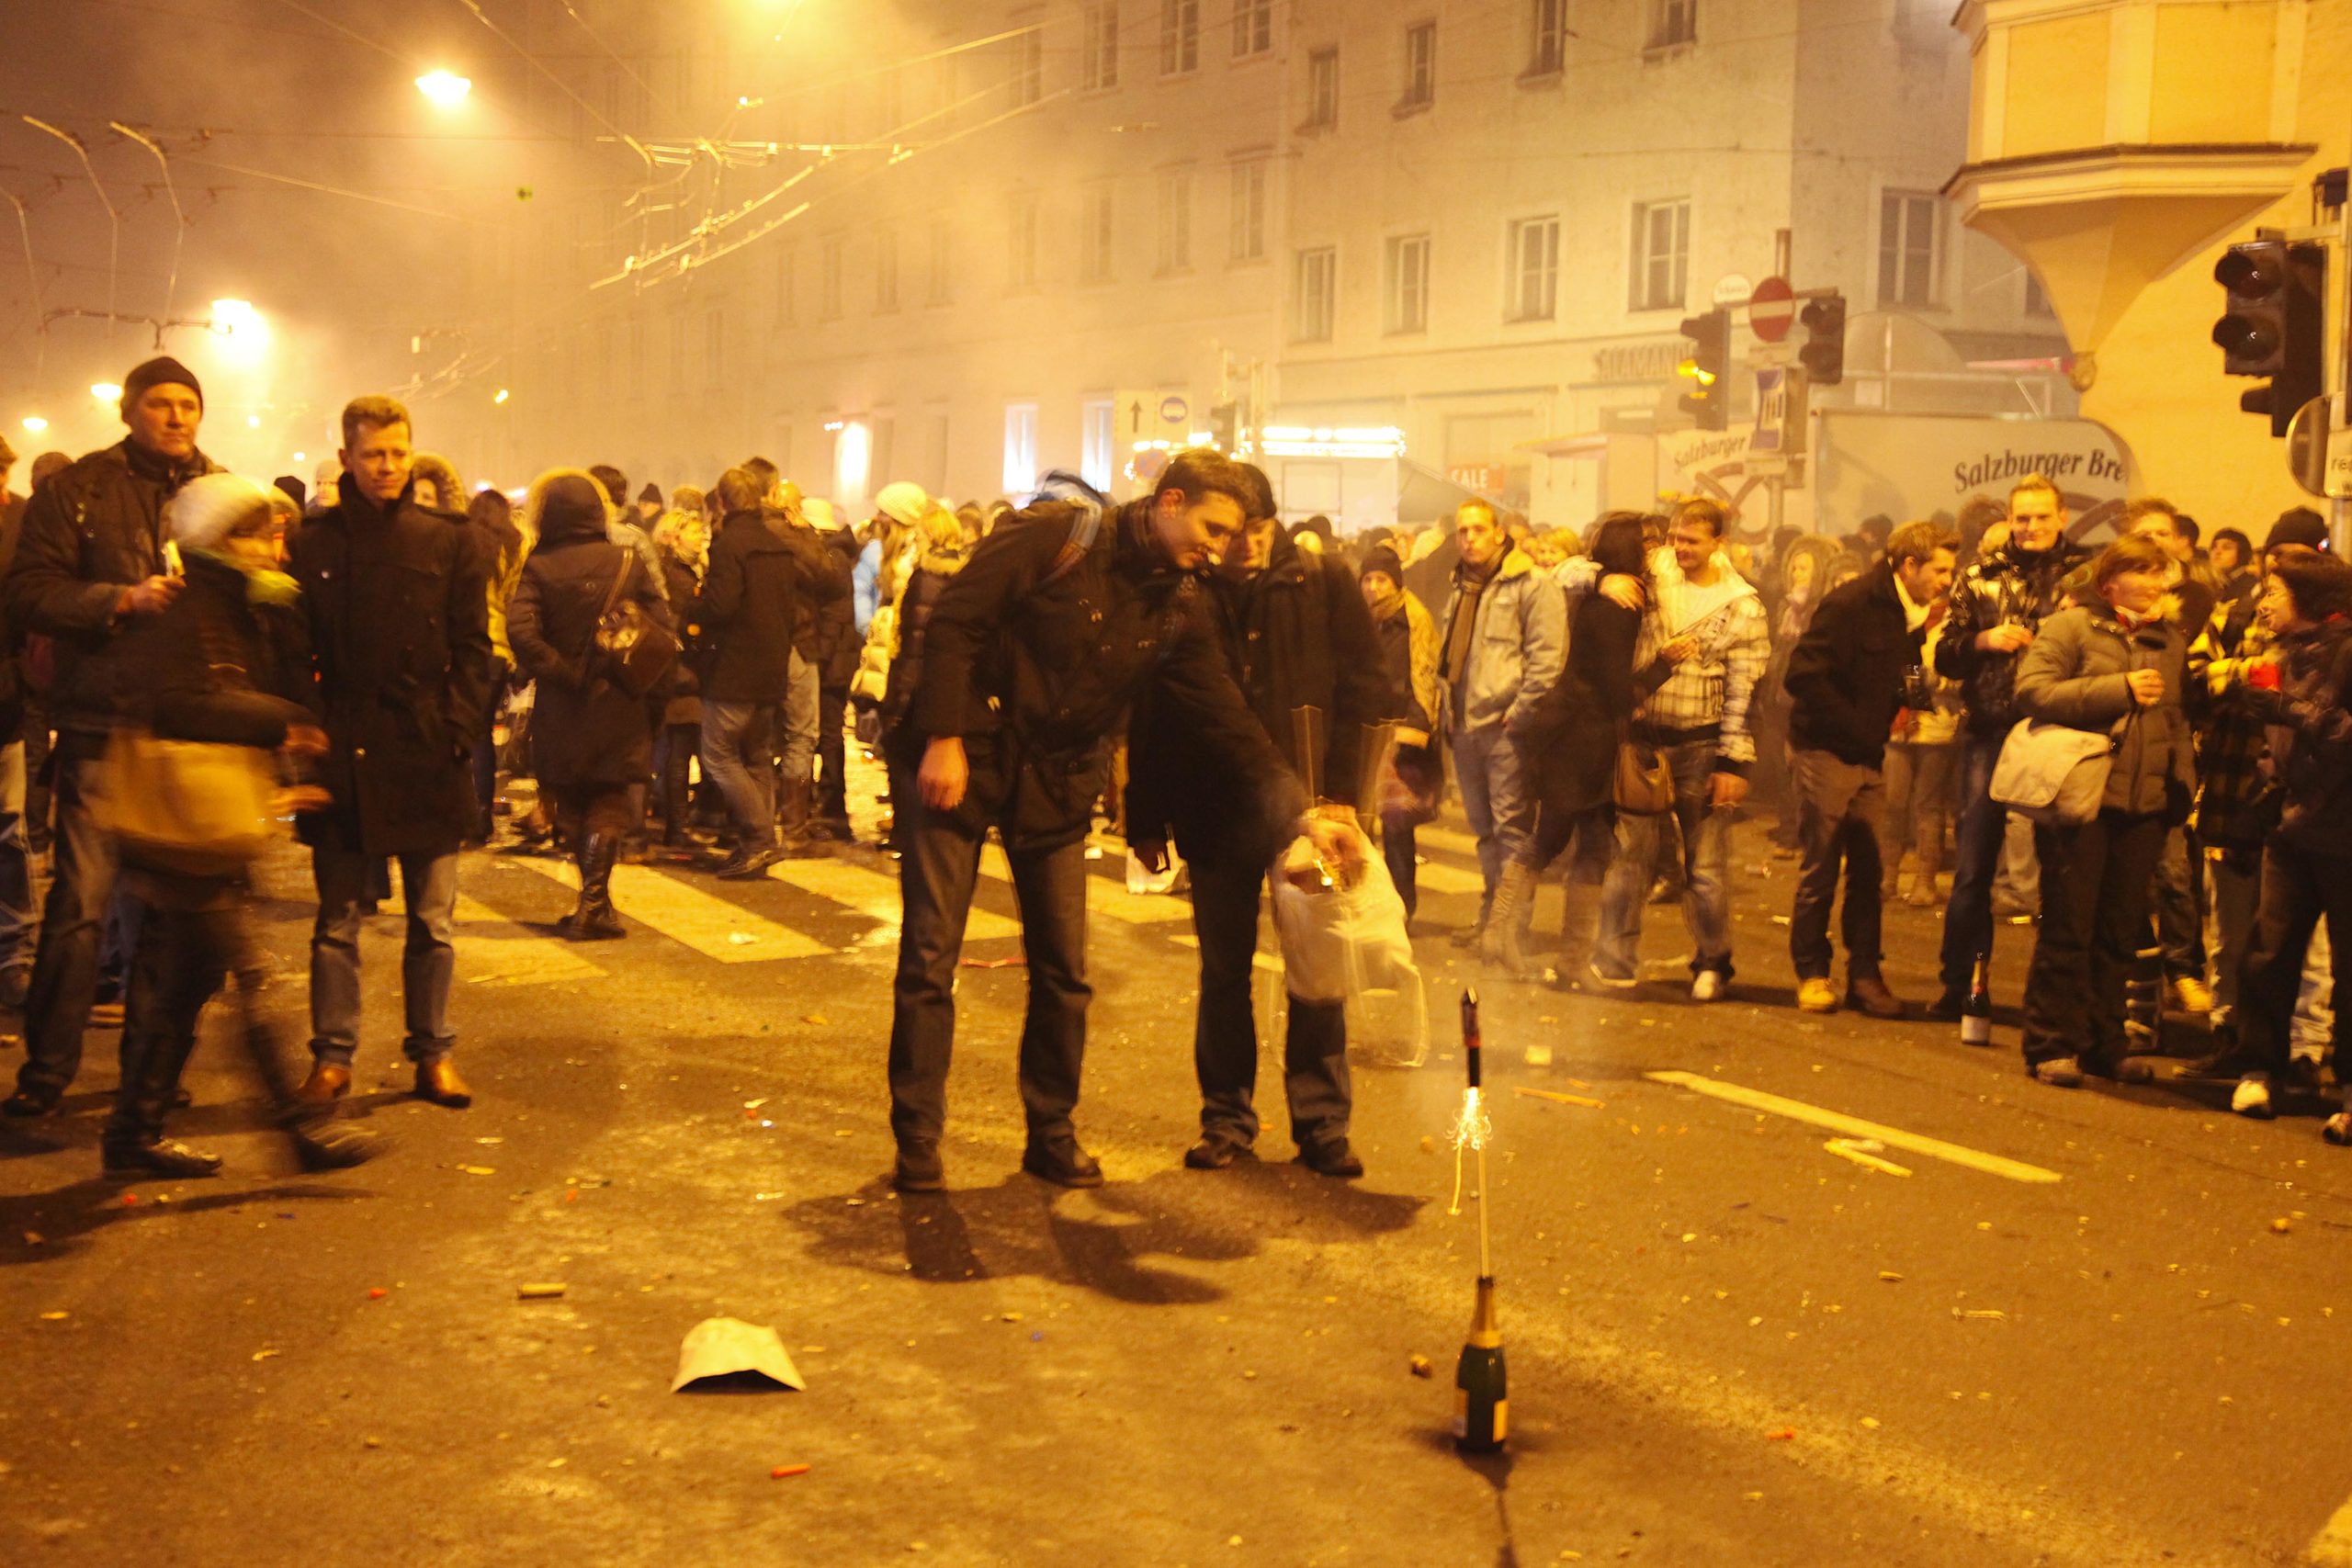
x=1579, y=930
x=595, y=920
x=133, y=1143
x=1504, y=942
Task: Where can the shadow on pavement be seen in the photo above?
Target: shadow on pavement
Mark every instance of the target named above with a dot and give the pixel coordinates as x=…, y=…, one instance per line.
x=66, y=1217
x=1117, y=1240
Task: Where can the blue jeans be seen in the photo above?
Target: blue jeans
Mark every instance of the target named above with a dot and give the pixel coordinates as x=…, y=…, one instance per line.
x=798, y=745
x=1982, y=824
x=1706, y=870
x=1493, y=797
x=747, y=786
x=18, y=924
x=82, y=870
x=428, y=961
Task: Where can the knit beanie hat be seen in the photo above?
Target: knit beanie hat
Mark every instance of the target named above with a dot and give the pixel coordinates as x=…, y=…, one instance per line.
x=652, y=493
x=2298, y=525
x=902, y=503
x=1382, y=560
x=160, y=371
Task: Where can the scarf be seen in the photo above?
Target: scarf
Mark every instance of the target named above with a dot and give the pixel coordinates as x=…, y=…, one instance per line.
x=266, y=586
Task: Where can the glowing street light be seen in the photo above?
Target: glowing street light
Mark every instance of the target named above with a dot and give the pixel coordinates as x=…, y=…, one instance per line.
x=232, y=316
x=502, y=395
x=35, y=425
x=446, y=89
x=106, y=391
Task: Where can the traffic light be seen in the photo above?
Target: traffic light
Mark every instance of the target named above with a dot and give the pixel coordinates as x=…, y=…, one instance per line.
x=1224, y=428
x=1824, y=354
x=1705, y=364
x=2273, y=325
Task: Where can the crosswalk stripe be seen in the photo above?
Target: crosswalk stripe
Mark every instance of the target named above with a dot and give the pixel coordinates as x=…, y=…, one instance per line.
x=1447, y=839
x=522, y=958
x=876, y=895
x=1854, y=1126
x=704, y=921
x=1435, y=876
x=1104, y=897
x=1259, y=960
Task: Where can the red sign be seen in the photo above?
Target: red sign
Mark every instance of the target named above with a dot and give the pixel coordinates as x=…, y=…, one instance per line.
x=1771, y=308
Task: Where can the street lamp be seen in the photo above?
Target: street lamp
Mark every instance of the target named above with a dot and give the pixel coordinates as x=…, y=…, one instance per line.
x=232, y=316
x=502, y=395
x=444, y=88
x=106, y=391
x=35, y=425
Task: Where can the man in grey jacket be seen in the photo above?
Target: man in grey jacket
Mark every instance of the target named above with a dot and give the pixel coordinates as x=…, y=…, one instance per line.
x=1506, y=637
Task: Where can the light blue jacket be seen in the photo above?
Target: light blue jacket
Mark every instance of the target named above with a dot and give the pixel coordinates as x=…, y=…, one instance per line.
x=1517, y=647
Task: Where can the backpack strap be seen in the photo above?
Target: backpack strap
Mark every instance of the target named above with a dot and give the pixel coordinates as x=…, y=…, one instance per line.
x=1076, y=547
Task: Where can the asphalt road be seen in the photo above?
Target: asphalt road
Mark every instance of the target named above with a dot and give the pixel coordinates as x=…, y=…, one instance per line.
x=1727, y=1343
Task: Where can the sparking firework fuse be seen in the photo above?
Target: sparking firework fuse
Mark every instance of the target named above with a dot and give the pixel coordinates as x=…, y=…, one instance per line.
x=1481, y=1400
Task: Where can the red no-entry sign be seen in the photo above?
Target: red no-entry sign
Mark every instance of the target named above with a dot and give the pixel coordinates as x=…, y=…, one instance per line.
x=1771, y=309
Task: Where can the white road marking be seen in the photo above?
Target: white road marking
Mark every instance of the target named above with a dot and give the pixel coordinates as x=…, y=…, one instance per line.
x=1104, y=897
x=1258, y=960
x=704, y=921
x=2332, y=1547
x=526, y=957
x=1436, y=876
x=875, y=895
x=1854, y=1126
x=1446, y=838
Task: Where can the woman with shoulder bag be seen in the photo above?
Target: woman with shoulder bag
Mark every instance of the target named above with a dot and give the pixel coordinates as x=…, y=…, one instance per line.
x=588, y=740
x=218, y=684
x=1570, y=741
x=2113, y=664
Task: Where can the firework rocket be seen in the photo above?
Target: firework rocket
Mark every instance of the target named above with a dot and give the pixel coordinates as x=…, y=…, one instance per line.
x=1481, y=1404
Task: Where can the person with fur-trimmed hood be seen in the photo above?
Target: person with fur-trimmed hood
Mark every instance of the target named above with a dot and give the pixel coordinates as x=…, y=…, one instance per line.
x=590, y=744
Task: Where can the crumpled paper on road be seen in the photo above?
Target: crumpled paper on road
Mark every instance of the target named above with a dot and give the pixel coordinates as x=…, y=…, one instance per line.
x=729, y=1348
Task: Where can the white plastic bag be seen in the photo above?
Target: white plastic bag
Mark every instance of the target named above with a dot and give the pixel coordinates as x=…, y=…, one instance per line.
x=1339, y=941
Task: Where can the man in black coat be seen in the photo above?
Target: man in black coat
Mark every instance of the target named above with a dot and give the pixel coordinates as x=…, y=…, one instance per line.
x=748, y=613
x=1297, y=634
x=89, y=564
x=1034, y=654
x=834, y=647
x=1848, y=676
x=397, y=605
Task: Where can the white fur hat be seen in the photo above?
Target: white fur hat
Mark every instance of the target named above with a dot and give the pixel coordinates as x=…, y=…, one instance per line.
x=902, y=502
x=205, y=511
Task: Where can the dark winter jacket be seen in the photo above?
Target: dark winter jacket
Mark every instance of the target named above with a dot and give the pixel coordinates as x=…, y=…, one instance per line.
x=834, y=642
x=917, y=600
x=1845, y=677
x=1569, y=739
x=212, y=667
x=2008, y=586
x=750, y=599
x=1297, y=635
x=396, y=600
x=2311, y=737
x=682, y=693
x=2076, y=673
x=1037, y=672
x=585, y=729
x=93, y=531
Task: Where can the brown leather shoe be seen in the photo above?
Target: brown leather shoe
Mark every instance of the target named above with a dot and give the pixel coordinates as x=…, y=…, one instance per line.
x=1868, y=993
x=326, y=1084
x=437, y=1081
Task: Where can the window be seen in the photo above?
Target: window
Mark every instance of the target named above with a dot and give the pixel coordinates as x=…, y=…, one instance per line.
x=828, y=279
x=1322, y=90
x=1408, y=284
x=1673, y=23
x=1906, y=247
x=1097, y=236
x=2036, y=299
x=1098, y=425
x=1180, y=36
x=1020, y=448
x=1176, y=221
x=1661, y=253
x=787, y=271
x=943, y=263
x=1246, y=233
x=1548, y=53
x=886, y=272
x=1420, y=67
x=1531, y=292
x=1029, y=67
x=1099, y=55
x=1021, y=248
x=1253, y=28
x=1315, y=292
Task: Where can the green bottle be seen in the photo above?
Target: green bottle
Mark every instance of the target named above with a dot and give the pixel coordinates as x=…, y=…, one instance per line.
x=1481, y=1400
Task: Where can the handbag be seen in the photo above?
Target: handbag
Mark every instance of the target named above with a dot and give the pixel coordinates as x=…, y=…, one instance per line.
x=638, y=650
x=201, y=808
x=1643, y=783
x=2053, y=774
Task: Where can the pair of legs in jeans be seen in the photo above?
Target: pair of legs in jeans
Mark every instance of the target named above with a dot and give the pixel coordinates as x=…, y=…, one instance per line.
x=2095, y=881
x=1225, y=900
x=1493, y=780
x=428, y=961
x=83, y=871
x=1706, y=871
x=1838, y=806
x=734, y=755
x=937, y=871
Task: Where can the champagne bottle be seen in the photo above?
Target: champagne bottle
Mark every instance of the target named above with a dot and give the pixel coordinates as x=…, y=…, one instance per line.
x=1481, y=1400
x=1976, y=1018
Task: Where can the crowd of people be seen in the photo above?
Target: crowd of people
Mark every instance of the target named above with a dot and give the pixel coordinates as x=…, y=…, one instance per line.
x=2144, y=746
